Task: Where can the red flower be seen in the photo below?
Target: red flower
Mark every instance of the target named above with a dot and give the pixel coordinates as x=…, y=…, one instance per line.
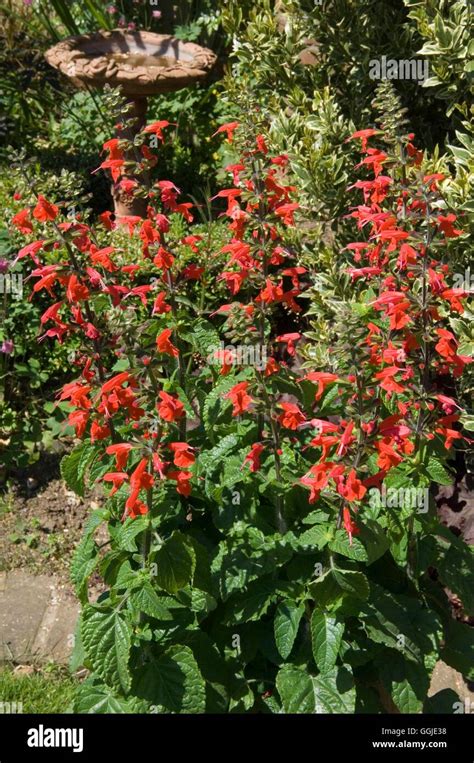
x=22, y=221
x=376, y=158
x=240, y=399
x=120, y=451
x=139, y=480
x=78, y=420
x=229, y=130
x=346, y=440
x=183, y=485
x=76, y=291
x=261, y=145
x=290, y=340
x=192, y=272
x=45, y=210
x=137, y=510
x=446, y=226
x=163, y=259
x=286, y=212
x=322, y=379
x=164, y=344
x=292, y=417
x=77, y=393
x=316, y=479
x=353, y=489
x=364, y=135
x=183, y=454
x=349, y=525
x=387, y=382
x=117, y=479
x=99, y=432
x=157, y=128
x=170, y=408
x=160, y=306
x=106, y=221
x=115, y=382
x=253, y=458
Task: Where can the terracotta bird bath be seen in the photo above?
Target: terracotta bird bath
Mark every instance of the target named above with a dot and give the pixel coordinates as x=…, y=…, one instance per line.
x=141, y=64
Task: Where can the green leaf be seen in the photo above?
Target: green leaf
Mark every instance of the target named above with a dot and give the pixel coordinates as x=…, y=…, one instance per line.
x=73, y=467
x=342, y=545
x=127, y=534
x=106, y=637
x=403, y=623
x=286, y=623
x=352, y=582
x=301, y=692
x=245, y=556
x=99, y=699
x=406, y=682
x=175, y=562
x=173, y=681
x=326, y=591
x=437, y=472
x=211, y=460
x=326, y=637
x=252, y=604
x=374, y=539
x=204, y=338
x=84, y=561
x=147, y=600
x=317, y=536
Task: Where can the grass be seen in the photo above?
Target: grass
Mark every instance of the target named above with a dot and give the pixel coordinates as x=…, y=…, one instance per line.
x=48, y=690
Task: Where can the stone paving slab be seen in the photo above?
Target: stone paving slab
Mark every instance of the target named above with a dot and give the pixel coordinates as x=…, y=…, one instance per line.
x=37, y=618
x=445, y=677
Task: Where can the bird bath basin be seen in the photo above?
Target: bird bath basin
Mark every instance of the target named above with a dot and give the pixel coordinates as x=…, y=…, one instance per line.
x=141, y=64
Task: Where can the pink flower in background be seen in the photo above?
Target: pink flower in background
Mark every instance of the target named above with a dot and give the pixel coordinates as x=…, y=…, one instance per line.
x=131, y=26
x=7, y=347
x=121, y=22
x=156, y=14
x=3, y=265
x=111, y=9
x=27, y=2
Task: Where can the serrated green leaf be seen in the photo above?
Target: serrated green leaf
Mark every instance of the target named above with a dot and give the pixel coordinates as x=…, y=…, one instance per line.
x=100, y=699
x=252, y=604
x=175, y=562
x=437, y=472
x=301, y=692
x=352, y=582
x=173, y=681
x=286, y=623
x=73, y=467
x=127, y=534
x=342, y=545
x=106, y=637
x=146, y=600
x=326, y=637
x=84, y=561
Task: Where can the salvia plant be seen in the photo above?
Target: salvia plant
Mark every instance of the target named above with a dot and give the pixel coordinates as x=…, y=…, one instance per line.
x=271, y=539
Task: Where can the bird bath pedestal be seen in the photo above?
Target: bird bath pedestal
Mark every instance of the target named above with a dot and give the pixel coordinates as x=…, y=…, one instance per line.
x=140, y=64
